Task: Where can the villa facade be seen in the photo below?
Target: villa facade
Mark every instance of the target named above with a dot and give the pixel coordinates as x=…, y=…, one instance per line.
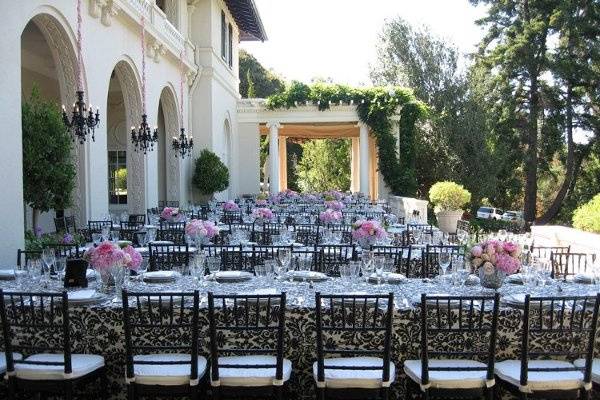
x=194, y=39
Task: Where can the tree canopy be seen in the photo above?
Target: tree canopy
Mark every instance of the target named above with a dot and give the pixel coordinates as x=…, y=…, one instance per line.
x=48, y=169
x=325, y=165
x=256, y=80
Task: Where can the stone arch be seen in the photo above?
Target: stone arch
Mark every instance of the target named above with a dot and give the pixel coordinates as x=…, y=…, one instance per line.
x=128, y=77
x=168, y=101
x=61, y=41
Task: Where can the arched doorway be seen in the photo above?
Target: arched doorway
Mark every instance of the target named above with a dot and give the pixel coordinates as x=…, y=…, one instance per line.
x=48, y=61
x=126, y=167
x=168, y=164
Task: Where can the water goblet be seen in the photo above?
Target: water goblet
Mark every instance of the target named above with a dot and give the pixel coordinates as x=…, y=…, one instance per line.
x=379, y=263
x=49, y=258
x=96, y=238
x=444, y=261
x=35, y=270
x=214, y=265
x=59, y=266
x=105, y=232
x=115, y=235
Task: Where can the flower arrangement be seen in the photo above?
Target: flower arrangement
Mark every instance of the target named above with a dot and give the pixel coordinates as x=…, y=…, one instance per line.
x=108, y=254
x=367, y=232
x=231, y=205
x=262, y=213
x=289, y=194
x=198, y=228
x=333, y=195
x=495, y=255
x=261, y=199
x=335, y=205
x=170, y=214
x=330, y=216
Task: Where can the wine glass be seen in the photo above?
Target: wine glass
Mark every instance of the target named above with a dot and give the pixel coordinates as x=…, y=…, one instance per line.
x=59, y=266
x=34, y=270
x=379, y=263
x=444, y=261
x=502, y=234
x=96, y=238
x=214, y=265
x=284, y=256
x=49, y=258
x=197, y=266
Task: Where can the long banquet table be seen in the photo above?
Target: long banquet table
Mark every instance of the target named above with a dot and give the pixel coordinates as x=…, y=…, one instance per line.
x=97, y=328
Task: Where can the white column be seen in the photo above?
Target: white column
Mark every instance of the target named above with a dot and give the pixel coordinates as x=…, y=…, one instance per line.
x=274, y=156
x=354, y=166
x=364, y=158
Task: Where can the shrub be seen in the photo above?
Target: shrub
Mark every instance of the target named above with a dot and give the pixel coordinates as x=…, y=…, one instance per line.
x=448, y=196
x=210, y=174
x=587, y=216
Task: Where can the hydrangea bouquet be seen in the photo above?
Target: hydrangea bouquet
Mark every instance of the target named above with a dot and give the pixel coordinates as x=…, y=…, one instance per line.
x=262, y=214
x=335, y=205
x=495, y=259
x=330, y=216
x=367, y=233
x=170, y=214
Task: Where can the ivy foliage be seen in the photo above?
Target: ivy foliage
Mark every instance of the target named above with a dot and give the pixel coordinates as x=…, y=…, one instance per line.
x=375, y=107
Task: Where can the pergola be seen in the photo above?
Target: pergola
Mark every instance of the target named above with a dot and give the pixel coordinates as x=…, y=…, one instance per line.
x=308, y=122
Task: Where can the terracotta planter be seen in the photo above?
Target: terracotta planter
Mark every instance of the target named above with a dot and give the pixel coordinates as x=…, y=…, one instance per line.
x=447, y=220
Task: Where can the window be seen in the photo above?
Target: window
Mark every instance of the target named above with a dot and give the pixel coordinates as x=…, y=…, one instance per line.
x=117, y=177
x=230, y=44
x=223, y=36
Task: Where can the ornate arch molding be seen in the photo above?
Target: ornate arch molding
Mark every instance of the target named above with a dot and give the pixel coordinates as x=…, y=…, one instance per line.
x=136, y=176
x=61, y=41
x=170, y=112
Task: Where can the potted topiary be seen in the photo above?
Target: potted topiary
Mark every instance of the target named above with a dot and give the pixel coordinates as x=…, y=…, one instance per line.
x=448, y=199
x=210, y=175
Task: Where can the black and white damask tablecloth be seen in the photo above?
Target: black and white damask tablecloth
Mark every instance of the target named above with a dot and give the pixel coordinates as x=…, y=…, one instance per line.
x=98, y=328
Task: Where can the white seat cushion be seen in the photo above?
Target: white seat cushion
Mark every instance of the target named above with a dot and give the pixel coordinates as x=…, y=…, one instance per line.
x=82, y=364
x=595, y=368
x=166, y=374
x=345, y=378
x=251, y=376
x=16, y=356
x=449, y=379
x=510, y=371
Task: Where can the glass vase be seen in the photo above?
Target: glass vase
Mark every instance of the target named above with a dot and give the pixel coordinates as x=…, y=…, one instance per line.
x=491, y=279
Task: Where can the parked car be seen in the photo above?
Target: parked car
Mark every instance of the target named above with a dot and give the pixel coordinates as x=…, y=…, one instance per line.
x=512, y=216
x=489, y=213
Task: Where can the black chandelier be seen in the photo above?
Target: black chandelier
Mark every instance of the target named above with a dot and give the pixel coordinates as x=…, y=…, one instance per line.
x=182, y=145
x=83, y=121
x=143, y=138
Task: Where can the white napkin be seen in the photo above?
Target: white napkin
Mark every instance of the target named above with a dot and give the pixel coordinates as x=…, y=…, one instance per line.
x=82, y=294
x=232, y=274
x=7, y=273
x=309, y=274
x=160, y=274
x=392, y=276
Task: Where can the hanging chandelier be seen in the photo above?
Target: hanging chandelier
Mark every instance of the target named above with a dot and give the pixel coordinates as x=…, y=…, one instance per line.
x=83, y=121
x=143, y=138
x=182, y=145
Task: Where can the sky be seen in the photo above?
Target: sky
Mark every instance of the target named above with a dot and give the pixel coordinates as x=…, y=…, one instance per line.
x=337, y=38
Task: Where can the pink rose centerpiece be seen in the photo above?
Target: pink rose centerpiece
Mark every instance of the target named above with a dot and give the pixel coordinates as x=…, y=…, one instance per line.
x=201, y=231
x=262, y=215
x=335, y=205
x=367, y=233
x=112, y=263
x=170, y=214
x=231, y=205
x=330, y=216
x=495, y=259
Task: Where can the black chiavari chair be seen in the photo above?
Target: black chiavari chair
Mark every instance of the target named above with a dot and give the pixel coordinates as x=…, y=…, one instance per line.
x=131, y=234
x=545, y=252
x=172, y=203
x=430, y=266
x=233, y=258
x=255, y=365
x=64, y=250
x=138, y=219
x=566, y=265
x=458, y=345
x=25, y=255
x=231, y=217
x=65, y=224
x=171, y=366
x=180, y=226
x=345, y=229
x=363, y=368
x=131, y=225
x=331, y=256
x=305, y=259
x=544, y=369
x=44, y=366
x=307, y=234
x=176, y=236
x=167, y=257
x=262, y=253
x=96, y=226
x=402, y=256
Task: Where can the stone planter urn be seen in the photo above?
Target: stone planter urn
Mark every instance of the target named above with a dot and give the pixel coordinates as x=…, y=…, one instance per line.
x=447, y=220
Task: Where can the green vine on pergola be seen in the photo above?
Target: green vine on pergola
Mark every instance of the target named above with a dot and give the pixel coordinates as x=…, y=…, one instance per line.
x=375, y=107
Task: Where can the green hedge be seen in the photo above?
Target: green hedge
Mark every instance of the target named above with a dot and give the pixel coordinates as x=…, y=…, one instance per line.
x=587, y=216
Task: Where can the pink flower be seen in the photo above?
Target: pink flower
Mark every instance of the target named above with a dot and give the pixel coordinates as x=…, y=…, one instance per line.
x=507, y=264
x=169, y=213
x=261, y=202
x=476, y=251
x=367, y=229
x=334, y=205
x=200, y=228
x=490, y=249
x=231, y=205
x=105, y=256
x=135, y=258
x=329, y=216
x=510, y=247
x=262, y=213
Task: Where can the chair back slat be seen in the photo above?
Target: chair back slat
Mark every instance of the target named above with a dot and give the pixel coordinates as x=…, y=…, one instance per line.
x=166, y=257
